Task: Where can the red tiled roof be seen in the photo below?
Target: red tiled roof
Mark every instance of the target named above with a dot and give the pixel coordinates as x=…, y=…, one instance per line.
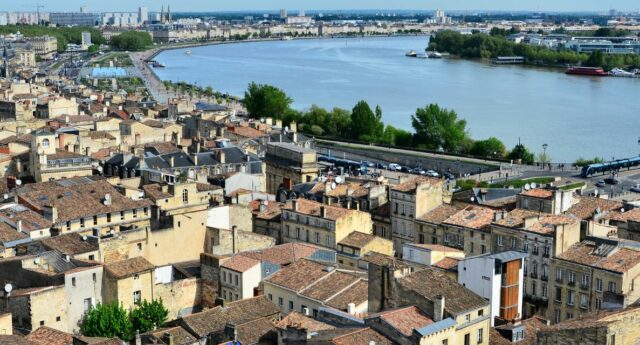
x=538, y=193
x=405, y=320
x=240, y=263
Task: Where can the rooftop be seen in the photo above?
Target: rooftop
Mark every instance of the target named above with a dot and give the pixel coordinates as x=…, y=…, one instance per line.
x=357, y=239
x=240, y=263
x=300, y=321
x=538, y=193
x=587, y=206
x=602, y=255
x=312, y=208
x=126, y=268
x=431, y=283
x=49, y=336
x=411, y=185
x=439, y=214
x=472, y=217
x=283, y=254
x=547, y=224
x=405, y=320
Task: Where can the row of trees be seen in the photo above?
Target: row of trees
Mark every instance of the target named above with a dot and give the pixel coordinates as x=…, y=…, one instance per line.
x=65, y=35
x=434, y=128
x=485, y=46
x=195, y=91
x=112, y=320
x=132, y=40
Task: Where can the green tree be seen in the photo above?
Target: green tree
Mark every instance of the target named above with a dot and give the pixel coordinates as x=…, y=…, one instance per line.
x=263, y=100
x=365, y=124
x=492, y=148
x=94, y=48
x=107, y=320
x=596, y=59
x=149, y=316
x=208, y=91
x=521, y=154
x=132, y=40
x=439, y=128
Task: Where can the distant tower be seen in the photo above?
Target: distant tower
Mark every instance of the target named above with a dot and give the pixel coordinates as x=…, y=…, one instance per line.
x=162, y=15
x=5, y=64
x=283, y=13
x=169, y=14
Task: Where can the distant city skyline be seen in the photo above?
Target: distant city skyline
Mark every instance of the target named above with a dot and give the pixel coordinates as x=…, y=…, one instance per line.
x=251, y=5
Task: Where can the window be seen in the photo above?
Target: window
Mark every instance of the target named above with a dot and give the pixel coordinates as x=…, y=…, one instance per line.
x=185, y=196
x=42, y=323
x=136, y=276
x=544, y=290
x=480, y=334
x=467, y=318
x=73, y=281
x=57, y=318
x=612, y=287
x=533, y=288
x=94, y=276
x=514, y=243
x=569, y=316
x=585, y=280
x=280, y=302
x=598, y=303
x=467, y=339
x=317, y=237
x=224, y=276
x=145, y=211
x=87, y=305
x=82, y=222
x=525, y=247
x=559, y=294
x=235, y=279
x=572, y=277
x=546, y=251
x=445, y=342
x=135, y=213
x=108, y=217
x=121, y=215
x=137, y=296
x=583, y=300
x=290, y=305
x=95, y=220
x=68, y=225
x=612, y=339
x=559, y=275
x=480, y=312
x=45, y=143
x=483, y=249
x=598, y=284
x=270, y=297
x=557, y=316
x=500, y=240
x=571, y=298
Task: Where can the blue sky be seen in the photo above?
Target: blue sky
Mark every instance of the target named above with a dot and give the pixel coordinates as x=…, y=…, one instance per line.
x=220, y=5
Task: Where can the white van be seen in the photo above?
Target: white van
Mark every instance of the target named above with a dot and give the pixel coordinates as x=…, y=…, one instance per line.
x=395, y=167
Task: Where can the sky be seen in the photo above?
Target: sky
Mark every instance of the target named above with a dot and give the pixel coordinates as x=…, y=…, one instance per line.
x=245, y=5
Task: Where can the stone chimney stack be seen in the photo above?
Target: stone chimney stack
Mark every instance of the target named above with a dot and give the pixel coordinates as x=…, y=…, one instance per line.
x=438, y=308
x=234, y=239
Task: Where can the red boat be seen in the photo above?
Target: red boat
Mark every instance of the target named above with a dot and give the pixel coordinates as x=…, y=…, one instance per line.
x=594, y=71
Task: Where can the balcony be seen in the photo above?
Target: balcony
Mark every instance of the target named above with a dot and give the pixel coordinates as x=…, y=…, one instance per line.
x=545, y=255
x=533, y=275
x=544, y=278
x=584, y=306
x=559, y=280
x=584, y=286
x=571, y=283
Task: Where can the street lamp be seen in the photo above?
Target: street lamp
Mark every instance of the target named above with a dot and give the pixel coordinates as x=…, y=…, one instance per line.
x=544, y=148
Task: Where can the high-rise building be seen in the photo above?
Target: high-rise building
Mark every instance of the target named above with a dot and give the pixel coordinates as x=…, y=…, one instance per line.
x=301, y=13
x=84, y=9
x=283, y=13
x=86, y=38
x=143, y=14
x=74, y=18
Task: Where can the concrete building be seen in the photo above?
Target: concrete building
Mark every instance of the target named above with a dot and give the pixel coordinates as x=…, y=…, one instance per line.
x=499, y=279
x=86, y=39
x=595, y=274
x=44, y=46
x=288, y=165
x=143, y=14
x=543, y=237
x=129, y=282
x=48, y=160
x=429, y=254
x=305, y=286
x=469, y=230
x=392, y=284
x=74, y=19
x=240, y=275
x=356, y=245
x=319, y=224
x=553, y=201
x=409, y=200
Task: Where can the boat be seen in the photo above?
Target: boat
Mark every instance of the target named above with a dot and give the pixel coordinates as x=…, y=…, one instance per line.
x=434, y=55
x=411, y=54
x=592, y=71
x=287, y=38
x=157, y=64
x=188, y=52
x=617, y=72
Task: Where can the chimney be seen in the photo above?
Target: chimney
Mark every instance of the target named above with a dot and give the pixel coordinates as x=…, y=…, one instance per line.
x=295, y=137
x=61, y=141
x=195, y=159
x=120, y=107
x=221, y=157
x=438, y=308
x=263, y=207
x=294, y=205
x=323, y=212
x=66, y=119
x=219, y=302
x=351, y=308
x=498, y=215
x=198, y=146
x=168, y=339
x=172, y=161
x=234, y=239
x=137, y=138
x=87, y=151
x=19, y=225
x=231, y=332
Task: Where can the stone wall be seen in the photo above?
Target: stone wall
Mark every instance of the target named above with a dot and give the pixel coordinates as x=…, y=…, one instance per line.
x=180, y=296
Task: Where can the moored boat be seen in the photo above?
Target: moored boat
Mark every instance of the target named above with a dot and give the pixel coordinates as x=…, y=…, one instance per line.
x=592, y=71
x=411, y=54
x=434, y=55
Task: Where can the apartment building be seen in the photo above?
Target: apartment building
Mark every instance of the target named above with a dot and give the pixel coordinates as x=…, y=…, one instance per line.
x=352, y=248
x=542, y=236
x=288, y=165
x=592, y=275
x=323, y=225
x=409, y=200
x=469, y=230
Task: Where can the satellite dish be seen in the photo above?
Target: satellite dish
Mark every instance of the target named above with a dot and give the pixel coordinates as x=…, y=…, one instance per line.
x=622, y=210
x=595, y=192
x=100, y=169
x=84, y=238
x=8, y=288
x=18, y=182
x=6, y=196
x=527, y=186
x=534, y=185
x=266, y=202
x=339, y=179
x=333, y=185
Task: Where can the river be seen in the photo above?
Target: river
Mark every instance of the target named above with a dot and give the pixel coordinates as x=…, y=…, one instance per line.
x=576, y=116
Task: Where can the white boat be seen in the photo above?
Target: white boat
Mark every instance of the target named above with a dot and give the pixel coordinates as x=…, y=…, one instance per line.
x=411, y=54
x=188, y=52
x=434, y=55
x=617, y=72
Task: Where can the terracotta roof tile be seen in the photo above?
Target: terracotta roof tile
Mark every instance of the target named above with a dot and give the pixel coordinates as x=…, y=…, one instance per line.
x=357, y=239
x=313, y=208
x=618, y=260
x=240, y=263
x=515, y=218
x=411, y=185
x=548, y=223
x=472, y=217
x=49, y=336
x=129, y=267
x=69, y=244
x=538, y=193
x=362, y=337
x=300, y=321
x=447, y=263
x=587, y=206
x=405, y=320
x=283, y=254
x=15, y=340
x=439, y=214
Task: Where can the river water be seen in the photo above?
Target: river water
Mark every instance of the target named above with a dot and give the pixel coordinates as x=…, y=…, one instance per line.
x=576, y=116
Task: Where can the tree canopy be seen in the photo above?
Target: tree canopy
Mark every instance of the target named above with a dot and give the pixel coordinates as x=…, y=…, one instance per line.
x=132, y=40
x=492, y=148
x=263, y=100
x=521, y=153
x=439, y=129
x=64, y=35
x=148, y=316
x=365, y=124
x=109, y=321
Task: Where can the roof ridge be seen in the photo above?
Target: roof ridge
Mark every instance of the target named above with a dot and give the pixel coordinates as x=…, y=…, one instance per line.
x=341, y=291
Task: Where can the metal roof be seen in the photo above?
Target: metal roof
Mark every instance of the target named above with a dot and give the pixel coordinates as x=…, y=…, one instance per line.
x=436, y=327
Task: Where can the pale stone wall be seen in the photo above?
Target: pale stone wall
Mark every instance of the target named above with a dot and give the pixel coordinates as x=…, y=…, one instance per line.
x=6, y=325
x=179, y=296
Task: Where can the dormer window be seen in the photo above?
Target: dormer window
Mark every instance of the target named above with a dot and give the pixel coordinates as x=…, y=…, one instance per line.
x=45, y=143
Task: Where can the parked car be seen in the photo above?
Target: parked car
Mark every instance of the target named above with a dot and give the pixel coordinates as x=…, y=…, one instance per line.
x=456, y=189
x=418, y=171
x=382, y=166
x=449, y=176
x=368, y=164
x=406, y=169
x=611, y=180
x=600, y=184
x=636, y=188
x=395, y=167
x=432, y=173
